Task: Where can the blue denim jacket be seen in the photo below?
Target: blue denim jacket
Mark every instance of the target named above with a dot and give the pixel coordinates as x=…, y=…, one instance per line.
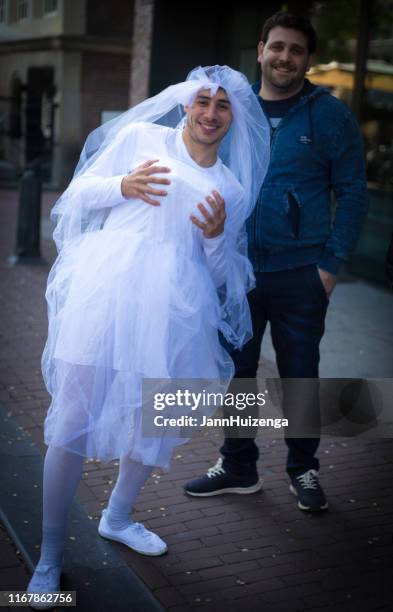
x=316, y=153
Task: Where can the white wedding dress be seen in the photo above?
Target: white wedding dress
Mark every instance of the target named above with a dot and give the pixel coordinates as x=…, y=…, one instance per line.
x=143, y=297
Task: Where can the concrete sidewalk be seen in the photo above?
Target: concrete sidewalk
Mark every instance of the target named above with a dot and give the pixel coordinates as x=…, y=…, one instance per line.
x=230, y=553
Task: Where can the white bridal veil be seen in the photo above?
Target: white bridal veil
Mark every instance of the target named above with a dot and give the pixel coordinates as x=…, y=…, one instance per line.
x=245, y=149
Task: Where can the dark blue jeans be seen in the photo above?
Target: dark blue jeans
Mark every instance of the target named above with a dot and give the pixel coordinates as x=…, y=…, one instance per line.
x=295, y=304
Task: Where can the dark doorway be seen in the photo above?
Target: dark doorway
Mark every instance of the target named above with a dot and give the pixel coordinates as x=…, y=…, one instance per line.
x=40, y=107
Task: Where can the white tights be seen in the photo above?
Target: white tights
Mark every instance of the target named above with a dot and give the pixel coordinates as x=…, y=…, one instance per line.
x=62, y=474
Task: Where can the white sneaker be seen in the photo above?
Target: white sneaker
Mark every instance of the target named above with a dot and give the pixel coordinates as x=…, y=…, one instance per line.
x=45, y=581
x=135, y=536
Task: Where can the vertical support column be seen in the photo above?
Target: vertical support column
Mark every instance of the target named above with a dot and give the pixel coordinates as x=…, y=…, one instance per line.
x=365, y=21
x=28, y=249
x=69, y=134
x=141, y=51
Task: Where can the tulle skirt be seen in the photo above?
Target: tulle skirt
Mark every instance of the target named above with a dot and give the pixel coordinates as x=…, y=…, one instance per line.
x=122, y=308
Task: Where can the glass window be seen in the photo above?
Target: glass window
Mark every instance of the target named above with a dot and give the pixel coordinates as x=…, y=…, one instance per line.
x=50, y=6
x=23, y=9
x=3, y=11
x=341, y=27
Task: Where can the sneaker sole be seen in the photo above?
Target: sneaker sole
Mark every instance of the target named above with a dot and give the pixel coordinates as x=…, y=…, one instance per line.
x=106, y=536
x=306, y=508
x=238, y=490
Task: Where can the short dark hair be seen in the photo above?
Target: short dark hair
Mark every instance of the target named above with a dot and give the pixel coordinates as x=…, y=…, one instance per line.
x=291, y=21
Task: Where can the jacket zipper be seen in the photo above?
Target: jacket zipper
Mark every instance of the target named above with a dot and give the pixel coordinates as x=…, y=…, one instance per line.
x=273, y=132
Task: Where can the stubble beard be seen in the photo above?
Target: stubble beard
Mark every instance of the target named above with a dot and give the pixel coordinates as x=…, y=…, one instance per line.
x=290, y=83
x=200, y=138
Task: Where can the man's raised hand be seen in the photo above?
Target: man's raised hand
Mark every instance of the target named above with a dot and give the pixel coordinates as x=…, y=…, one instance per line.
x=138, y=183
x=215, y=219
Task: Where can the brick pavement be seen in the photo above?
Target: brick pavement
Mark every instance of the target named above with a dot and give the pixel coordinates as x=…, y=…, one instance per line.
x=227, y=553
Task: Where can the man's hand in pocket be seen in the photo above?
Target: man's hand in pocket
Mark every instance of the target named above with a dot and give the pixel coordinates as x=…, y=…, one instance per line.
x=328, y=280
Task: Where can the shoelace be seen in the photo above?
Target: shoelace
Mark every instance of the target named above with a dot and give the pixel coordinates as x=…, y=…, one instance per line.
x=308, y=480
x=216, y=470
x=141, y=529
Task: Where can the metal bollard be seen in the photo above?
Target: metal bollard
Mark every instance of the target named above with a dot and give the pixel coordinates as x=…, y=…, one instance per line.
x=27, y=250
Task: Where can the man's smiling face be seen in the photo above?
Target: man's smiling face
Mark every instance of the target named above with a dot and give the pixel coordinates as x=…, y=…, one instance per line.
x=209, y=117
x=284, y=59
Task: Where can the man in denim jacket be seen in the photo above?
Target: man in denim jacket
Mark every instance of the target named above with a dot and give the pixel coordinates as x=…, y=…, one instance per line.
x=297, y=242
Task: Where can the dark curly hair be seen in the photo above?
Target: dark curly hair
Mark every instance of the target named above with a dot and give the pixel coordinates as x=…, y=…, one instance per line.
x=284, y=19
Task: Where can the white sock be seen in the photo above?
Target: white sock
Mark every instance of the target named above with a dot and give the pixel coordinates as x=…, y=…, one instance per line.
x=132, y=477
x=62, y=474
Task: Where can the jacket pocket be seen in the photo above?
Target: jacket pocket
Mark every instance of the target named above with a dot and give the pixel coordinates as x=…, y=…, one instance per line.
x=271, y=224
x=294, y=214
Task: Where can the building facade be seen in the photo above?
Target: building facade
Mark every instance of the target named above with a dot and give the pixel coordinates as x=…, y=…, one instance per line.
x=64, y=66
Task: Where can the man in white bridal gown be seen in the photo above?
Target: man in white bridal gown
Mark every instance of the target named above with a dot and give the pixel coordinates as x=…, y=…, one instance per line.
x=152, y=266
